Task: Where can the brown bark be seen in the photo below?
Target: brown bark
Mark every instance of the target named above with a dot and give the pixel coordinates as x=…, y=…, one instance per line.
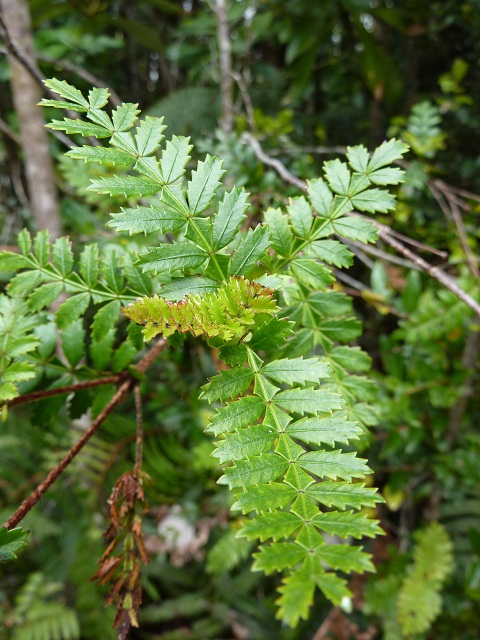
x=26, y=94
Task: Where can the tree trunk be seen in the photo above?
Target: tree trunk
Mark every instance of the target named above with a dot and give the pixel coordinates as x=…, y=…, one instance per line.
x=26, y=93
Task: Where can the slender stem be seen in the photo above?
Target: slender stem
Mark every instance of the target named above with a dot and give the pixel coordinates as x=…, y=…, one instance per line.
x=144, y=364
x=139, y=435
x=71, y=388
x=42, y=488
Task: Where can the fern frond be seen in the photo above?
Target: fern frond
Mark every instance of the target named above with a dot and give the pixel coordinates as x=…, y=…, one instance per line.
x=419, y=600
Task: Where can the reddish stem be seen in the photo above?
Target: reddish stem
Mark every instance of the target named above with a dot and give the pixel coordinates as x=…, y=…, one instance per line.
x=42, y=488
x=71, y=388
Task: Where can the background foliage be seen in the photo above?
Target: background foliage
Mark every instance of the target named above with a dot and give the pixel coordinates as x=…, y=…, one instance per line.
x=308, y=78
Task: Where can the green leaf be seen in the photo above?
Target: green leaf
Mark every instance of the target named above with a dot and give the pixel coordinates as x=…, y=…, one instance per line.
x=301, y=216
x=23, y=283
x=62, y=104
x=45, y=295
x=101, y=155
x=271, y=496
x=233, y=354
x=123, y=356
x=231, y=214
x=181, y=287
x=341, y=329
x=62, y=256
x=204, y=183
x=276, y=526
x=332, y=252
x=333, y=587
x=41, y=247
x=338, y=176
x=277, y=557
x=280, y=233
x=66, y=91
x=111, y=271
x=271, y=334
x=199, y=231
x=350, y=358
x=344, y=494
x=85, y=129
x=227, y=384
x=24, y=242
x=358, y=158
x=73, y=342
x=334, y=464
x=311, y=273
x=170, y=257
x=8, y=391
x=247, y=442
x=98, y=97
x=11, y=542
x=345, y=557
x=138, y=281
x=374, y=201
x=324, y=430
x=146, y=220
x=320, y=196
x=10, y=261
x=173, y=197
x=360, y=387
x=149, y=134
x=89, y=264
x=101, y=354
x=243, y=412
x=308, y=400
x=355, y=229
x=18, y=372
x=345, y=524
x=125, y=116
x=296, y=596
x=258, y=469
x=105, y=319
x=296, y=371
x=127, y=186
x=387, y=153
x=386, y=176
x=174, y=158
x=71, y=310
x=252, y=247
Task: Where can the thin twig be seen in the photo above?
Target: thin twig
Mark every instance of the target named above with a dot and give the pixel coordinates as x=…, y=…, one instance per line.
x=446, y=197
x=71, y=388
x=8, y=131
x=124, y=388
x=42, y=488
x=320, y=150
x=444, y=279
x=247, y=101
x=279, y=167
x=139, y=434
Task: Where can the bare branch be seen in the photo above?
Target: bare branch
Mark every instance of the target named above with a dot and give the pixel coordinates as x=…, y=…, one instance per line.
x=124, y=388
x=71, y=388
